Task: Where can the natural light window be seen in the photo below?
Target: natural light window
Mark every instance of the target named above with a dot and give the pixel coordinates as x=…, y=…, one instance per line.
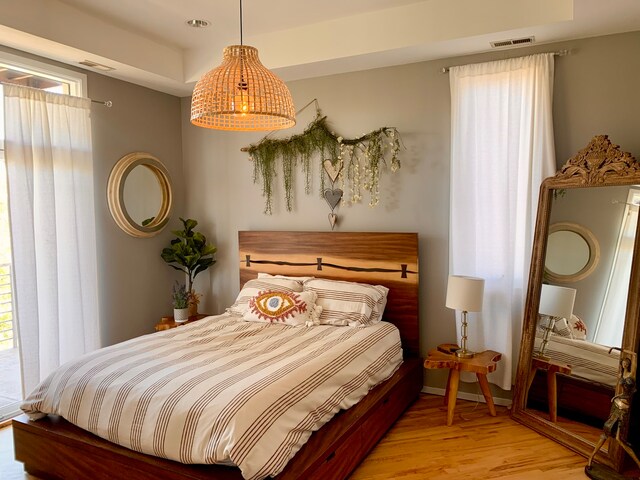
x=31, y=73
x=610, y=324
x=28, y=73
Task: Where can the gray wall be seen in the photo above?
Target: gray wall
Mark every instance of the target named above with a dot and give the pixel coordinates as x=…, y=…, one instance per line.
x=595, y=92
x=134, y=282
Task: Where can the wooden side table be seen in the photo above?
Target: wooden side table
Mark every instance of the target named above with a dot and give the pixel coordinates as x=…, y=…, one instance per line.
x=481, y=364
x=552, y=368
x=166, y=323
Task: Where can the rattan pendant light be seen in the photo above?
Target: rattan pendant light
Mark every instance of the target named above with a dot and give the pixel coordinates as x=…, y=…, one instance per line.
x=241, y=94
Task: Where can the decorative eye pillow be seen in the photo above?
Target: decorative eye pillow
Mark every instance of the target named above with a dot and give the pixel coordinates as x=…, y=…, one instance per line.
x=255, y=286
x=285, y=308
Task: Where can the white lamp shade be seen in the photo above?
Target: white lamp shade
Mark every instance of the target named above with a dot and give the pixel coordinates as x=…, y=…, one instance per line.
x=465, y=293
x=557, y=301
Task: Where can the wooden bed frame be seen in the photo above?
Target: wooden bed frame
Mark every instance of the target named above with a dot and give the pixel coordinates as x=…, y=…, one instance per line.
x=52, y=448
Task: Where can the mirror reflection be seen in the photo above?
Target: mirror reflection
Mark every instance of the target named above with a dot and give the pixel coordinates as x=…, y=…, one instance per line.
x=142, y=195
x=567, y=253
x=139, y=194
x=573, y=373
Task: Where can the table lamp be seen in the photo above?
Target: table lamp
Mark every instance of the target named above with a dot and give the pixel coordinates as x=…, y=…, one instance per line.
x=556, y=303
x=465, y=293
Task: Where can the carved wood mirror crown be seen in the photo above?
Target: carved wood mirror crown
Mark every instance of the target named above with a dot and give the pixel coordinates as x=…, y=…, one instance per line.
x=577, y=190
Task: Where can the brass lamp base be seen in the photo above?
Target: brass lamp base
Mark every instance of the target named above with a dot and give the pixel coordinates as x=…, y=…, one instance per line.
x=600, y=472
x=464, y=353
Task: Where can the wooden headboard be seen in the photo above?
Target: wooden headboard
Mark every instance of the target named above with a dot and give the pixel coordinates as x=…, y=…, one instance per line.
x=389, y=259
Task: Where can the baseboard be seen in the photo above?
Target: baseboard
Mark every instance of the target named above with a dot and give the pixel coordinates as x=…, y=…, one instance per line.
x=505, y=402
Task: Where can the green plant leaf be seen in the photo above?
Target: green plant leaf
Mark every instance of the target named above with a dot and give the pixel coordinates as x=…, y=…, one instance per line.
x=189, y=224
x=209, y=250
x=189, y=252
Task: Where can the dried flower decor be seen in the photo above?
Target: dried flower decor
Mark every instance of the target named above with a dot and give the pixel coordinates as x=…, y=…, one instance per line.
x=363, y=159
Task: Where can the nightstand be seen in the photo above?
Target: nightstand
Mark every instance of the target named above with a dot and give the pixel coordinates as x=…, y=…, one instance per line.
x=167, y=322
x=481, y=364
x=552, y=368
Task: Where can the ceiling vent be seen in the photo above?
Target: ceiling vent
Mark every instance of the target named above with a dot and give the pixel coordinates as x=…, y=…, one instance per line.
x=514, y=42
x=97, y=66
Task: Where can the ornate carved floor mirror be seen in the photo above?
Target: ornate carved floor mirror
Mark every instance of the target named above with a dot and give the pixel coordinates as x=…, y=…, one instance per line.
x=565, y=391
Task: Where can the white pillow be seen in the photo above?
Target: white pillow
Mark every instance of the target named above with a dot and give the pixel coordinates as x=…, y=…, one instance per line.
x=561, y=327
x=348, y=303
x=297, y=279
x=255, y=286
x=286, y=308
x=578, y=328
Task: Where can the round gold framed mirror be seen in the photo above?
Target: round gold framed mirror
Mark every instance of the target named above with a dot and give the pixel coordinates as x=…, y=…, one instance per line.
x=572, y=254
x=139, y=194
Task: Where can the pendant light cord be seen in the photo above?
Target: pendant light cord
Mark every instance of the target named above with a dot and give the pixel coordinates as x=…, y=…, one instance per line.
x=241, y=23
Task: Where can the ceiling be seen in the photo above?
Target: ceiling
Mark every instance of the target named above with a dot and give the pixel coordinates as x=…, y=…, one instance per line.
x=148, y=42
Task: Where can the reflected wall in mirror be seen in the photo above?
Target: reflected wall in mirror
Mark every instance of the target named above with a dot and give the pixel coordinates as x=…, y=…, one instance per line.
x=142, y=195
x=566, y=394
x=139, y=194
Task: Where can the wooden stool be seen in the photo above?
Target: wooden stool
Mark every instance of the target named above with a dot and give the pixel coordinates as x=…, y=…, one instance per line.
x=481, y=364
x=552, y=368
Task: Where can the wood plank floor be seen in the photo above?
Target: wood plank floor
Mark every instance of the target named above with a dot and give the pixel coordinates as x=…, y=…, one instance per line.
x=477, y=446
x=420, y=446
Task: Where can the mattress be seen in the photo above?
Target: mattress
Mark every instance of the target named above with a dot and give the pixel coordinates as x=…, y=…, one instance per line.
x=590, y=361
x=221, y=390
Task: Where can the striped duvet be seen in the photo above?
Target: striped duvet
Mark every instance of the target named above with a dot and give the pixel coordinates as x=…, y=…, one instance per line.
x=221, y=390
x=587, y=360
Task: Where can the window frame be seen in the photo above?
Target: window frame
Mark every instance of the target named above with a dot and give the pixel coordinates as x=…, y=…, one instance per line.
x=77, y=81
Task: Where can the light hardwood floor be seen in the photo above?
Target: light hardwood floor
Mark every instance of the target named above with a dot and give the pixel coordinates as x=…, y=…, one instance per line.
x=420, y=446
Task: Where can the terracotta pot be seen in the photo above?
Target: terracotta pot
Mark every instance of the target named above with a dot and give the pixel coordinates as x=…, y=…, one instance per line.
x=193, y=309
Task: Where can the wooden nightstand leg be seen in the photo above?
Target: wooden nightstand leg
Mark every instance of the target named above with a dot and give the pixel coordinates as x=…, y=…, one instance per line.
x=552, y=396
x=446, y=392
x=532, y=375
x=486, y=391
x=454, y=379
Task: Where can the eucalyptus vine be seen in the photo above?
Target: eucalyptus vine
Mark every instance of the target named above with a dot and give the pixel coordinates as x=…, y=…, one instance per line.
x=361, y=160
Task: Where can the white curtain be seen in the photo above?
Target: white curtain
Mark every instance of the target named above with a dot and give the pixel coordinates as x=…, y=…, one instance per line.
x=501, y=150
x=51, y=204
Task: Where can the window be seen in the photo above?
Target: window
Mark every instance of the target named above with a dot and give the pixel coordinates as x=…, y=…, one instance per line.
x=610, y=326
x=34, y=74
x=29, y=73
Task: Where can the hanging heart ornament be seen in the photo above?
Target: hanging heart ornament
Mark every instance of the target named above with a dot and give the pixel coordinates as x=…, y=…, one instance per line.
x=333, y=218
x=333, y=197
x=331, y=170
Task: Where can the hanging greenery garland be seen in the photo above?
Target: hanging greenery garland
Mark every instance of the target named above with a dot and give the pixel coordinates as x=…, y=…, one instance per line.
x=361, y=158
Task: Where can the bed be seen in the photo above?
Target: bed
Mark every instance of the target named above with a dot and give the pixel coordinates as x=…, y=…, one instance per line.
x=54, y=448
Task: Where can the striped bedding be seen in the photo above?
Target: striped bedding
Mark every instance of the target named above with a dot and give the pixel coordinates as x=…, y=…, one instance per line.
x=590, y=361
x=221, y=390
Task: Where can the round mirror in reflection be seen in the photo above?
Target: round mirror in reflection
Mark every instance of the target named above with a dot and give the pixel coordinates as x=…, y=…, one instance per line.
x=572, y=253
x=139, y=194
x=568, y=253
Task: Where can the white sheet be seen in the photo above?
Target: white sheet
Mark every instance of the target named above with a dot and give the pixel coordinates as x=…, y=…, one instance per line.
x=221, y=390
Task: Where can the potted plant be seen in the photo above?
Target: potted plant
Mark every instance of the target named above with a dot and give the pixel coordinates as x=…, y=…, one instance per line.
x=180, y=303
x=191, y=254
